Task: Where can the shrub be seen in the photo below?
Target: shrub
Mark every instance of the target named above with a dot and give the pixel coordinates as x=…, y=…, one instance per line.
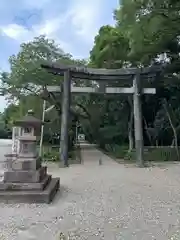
x=159, y=154
x=51, y=156
x=165, y=153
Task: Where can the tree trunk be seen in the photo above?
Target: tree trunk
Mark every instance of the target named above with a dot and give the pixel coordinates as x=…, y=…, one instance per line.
x=147, y=131
x=173, y=128
x=130, y=132
x=173, y=143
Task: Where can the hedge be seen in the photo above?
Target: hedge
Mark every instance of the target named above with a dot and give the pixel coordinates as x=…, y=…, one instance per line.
x=164, y=153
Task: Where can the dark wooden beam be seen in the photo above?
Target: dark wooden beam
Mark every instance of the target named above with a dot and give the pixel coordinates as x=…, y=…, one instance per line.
x=93, y=77
x=108, y=78
x=83, y=70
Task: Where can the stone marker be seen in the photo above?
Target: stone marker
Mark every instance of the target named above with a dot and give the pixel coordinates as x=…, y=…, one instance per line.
x=25, y=179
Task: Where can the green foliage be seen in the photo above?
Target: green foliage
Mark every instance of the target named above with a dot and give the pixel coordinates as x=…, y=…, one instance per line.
x=156, y=154
x=159, y=154
x=117, y=151
x=162, y=154
x=51, y=154
x=26, y=72
x=104, y=52
x=26, y=79
x=144, y=31
x=149, y=25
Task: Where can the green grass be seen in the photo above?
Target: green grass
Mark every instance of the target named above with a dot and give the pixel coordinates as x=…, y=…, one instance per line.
x=51, y=154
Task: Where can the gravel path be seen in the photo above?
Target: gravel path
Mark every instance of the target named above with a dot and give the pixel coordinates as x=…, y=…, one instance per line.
x=109, y=202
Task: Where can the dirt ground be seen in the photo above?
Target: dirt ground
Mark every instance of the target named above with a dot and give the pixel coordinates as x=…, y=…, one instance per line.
x=111, y=202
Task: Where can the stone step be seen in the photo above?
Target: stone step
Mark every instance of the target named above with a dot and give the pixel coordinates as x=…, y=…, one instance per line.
x=37, y=186
x=45, y=196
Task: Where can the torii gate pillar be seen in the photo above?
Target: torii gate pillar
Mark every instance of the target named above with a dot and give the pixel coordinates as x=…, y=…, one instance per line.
x=65, y=118
x=138, y=128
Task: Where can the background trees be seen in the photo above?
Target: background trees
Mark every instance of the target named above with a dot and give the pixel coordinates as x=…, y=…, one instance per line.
x=146, y=32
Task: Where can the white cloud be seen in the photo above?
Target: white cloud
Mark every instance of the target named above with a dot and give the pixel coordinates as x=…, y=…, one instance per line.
x=16, y=32
x=22, y=34
x=81, y=15
x=85, y=16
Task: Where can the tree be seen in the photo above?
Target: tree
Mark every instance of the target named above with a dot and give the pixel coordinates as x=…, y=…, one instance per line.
x=110, y=50
x=151, y=26
x=104, y=52
x=26, y=75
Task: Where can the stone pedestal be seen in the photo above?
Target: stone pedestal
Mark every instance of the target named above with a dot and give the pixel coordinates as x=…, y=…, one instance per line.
x=32, y=186
x=25, y=179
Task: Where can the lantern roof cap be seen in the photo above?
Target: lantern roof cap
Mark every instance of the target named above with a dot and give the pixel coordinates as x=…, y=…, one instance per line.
x=29, y=120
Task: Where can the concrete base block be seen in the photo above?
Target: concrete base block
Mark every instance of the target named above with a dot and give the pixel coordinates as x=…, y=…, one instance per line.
x=23, y=176
x=33, y=196
x=6, y=186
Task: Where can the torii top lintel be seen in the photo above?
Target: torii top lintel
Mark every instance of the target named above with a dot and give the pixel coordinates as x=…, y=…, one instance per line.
x=84, y=72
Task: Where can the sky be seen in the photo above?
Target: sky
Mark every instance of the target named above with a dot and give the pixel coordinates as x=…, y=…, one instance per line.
x=72, y=23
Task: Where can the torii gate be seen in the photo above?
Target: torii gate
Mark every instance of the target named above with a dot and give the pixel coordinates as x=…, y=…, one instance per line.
x=135, y=75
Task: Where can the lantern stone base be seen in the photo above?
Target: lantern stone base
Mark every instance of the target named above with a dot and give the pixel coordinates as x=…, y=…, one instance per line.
x=29, y=195
x=25, y=176
x=28, y=186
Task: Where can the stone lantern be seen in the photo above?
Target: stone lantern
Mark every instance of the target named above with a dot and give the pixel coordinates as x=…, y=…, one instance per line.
x=27, y=142
x=25, y=180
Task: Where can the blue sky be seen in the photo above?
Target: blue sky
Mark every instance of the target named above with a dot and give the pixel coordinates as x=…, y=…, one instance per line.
x=72, y=23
